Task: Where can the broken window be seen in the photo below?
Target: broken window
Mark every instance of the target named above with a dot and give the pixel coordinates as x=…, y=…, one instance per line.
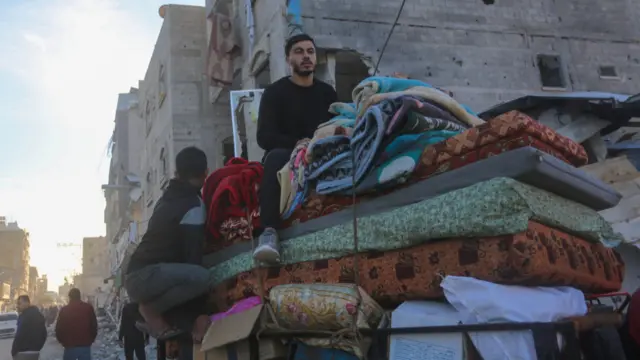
x=263, y=76
x=228, y=150
x=163, y=162
x=350, y=70
x=551, y=71
x=608, y=72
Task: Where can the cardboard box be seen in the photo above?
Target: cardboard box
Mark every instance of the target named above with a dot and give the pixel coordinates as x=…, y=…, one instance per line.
x=233, y=337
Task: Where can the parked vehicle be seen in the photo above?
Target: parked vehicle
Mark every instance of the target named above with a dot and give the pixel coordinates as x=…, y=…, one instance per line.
x=8, y=324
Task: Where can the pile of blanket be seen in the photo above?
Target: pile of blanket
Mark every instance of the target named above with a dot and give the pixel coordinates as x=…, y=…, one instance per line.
x=374, y=143
x=232, y=192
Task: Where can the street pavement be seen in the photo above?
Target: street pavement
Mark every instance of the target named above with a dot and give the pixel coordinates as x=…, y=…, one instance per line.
x=105, y=347
x=51, y=351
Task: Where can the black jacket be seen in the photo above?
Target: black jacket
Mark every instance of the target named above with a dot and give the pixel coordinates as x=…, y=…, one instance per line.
x=175, y=233
x=32, y=332
x=128, y=330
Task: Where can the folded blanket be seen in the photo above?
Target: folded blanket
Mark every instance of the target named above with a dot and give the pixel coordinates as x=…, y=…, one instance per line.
x=331, y=161
x=409, y=130
x=426, y=93
x=344, y=109
x=291, y=176
x=325, y=154
x=232, y=191
x=345, y=115
x=380, y=84
x=325, y=132
x=398, y=160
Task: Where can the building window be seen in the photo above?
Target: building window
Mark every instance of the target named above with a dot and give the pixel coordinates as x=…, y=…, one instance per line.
x=162, y=86
x=608, y=72
x=163, y=163
x=551, y=71
x=263, y=76
x=349, y=71
x=228, y=150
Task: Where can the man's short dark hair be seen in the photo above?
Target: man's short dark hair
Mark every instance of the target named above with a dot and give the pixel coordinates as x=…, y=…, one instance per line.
x=191, y=163
x=24, y=298
x=296, y=39
x=74, y=294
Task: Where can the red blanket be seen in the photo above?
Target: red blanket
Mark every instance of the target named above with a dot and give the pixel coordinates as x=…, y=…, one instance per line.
x=232, y=191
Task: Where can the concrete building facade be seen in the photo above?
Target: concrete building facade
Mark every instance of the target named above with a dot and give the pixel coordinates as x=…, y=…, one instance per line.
x=174, y=102
x=33, y=282
x=123, y=192
x=14, y=257
x=95, y=265
x=124, y=170
x=485, y=54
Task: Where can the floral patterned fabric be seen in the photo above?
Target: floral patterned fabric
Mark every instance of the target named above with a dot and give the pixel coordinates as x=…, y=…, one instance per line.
x=499, y=206
x=537, y=256
x=324, y=307
x=506, y=126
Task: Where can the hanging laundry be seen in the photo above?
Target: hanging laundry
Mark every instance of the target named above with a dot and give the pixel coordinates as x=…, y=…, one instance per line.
x=294, y=18
x=221, y=46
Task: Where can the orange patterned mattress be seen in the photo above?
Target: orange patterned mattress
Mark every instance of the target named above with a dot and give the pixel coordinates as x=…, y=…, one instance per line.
x=541, y=256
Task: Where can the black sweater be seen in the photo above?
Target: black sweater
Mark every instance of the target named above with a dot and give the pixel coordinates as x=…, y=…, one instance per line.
x=32, y=332
x=175, y=233
x=289, y=112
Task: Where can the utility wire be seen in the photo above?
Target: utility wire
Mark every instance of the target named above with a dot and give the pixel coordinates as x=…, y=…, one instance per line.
x=386, y=42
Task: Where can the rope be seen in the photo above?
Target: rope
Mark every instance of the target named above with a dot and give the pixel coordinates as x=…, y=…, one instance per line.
x=386, y=42
x=356, y=253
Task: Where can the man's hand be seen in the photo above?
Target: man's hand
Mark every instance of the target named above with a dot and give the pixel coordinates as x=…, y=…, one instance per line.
x=120, y=343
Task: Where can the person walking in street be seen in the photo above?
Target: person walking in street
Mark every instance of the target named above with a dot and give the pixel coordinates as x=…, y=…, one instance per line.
x=134, y=340
x=165, y=270
x=76, y=328
x=31, y=334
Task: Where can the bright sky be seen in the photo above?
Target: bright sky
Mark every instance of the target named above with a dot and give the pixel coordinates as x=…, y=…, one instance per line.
x=62, y=65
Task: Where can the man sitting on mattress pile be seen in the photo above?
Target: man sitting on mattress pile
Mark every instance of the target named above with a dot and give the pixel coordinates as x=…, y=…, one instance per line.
x=290, y=110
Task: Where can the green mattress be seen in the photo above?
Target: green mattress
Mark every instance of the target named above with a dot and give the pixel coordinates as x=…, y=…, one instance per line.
x=496, y=207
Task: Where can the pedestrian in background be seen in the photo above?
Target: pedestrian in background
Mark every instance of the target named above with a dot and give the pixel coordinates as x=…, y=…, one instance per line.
x=76, y=328
x=31, y=333
x=134, y=340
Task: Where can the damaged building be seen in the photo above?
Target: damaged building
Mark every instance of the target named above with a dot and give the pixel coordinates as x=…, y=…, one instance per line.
x=484, y=54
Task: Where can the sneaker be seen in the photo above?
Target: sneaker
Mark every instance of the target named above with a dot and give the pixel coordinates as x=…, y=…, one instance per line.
x=268, y=250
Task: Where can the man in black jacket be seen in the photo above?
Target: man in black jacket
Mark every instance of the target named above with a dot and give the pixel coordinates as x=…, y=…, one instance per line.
x=32, y=332
x=166, y=269
x=290, y=110
x=133, y=339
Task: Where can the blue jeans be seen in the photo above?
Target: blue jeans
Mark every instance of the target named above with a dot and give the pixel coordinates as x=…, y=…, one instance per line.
x=165, y=286
x=77, y=353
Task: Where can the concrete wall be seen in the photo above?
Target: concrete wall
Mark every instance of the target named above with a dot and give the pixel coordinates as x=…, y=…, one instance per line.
x=174, y=101
x=484, y=54
x=95, y=256
x=14, y=258
x=125, y=160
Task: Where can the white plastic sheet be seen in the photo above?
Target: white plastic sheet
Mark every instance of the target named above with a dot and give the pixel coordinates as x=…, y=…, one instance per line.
x=481, y=302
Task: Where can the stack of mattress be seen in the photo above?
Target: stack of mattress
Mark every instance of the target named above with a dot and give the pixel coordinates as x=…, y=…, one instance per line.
x=502, y=202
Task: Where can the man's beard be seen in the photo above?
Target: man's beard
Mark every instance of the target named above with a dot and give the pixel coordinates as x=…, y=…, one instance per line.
x=303, y=73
